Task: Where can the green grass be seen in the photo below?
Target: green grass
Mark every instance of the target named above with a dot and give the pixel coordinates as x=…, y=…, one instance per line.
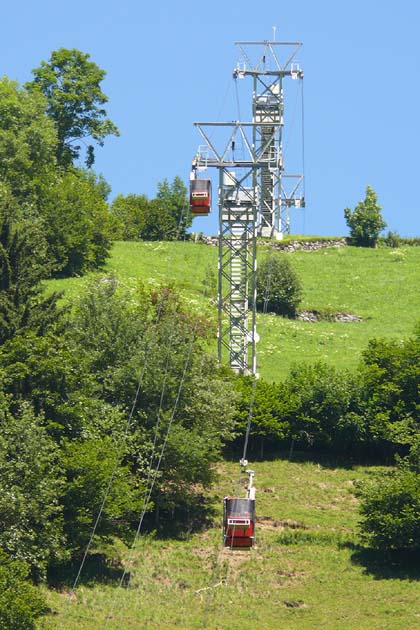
x=305, y=572
x=380, y=285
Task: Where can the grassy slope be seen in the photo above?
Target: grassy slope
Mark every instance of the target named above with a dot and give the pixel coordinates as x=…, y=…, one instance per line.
x=303, y=577
x=380, y=285
x=313, y=567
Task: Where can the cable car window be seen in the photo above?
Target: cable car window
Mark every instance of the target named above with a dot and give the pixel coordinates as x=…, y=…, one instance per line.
x=240, y=507
x=200, y=185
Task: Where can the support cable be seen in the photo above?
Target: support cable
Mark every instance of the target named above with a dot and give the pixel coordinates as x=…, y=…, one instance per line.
x=128, y=424
x=153, y=480
x=303, y=159
x=209, y=590
x=303, y=136
x=250, y=414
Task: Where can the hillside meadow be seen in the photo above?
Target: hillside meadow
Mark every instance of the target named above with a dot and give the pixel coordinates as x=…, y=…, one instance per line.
x=378, y=285
x=308, y=569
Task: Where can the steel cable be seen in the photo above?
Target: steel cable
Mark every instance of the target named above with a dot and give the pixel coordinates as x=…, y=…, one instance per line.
x=126, y=430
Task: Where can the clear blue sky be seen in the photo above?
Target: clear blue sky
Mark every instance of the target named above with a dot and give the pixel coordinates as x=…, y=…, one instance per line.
x=169, y=64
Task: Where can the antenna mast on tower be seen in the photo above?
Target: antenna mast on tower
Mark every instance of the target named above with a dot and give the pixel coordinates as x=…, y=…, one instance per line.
x=254, y=192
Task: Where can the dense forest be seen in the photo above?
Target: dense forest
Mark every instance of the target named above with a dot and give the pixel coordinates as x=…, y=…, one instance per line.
x=112, y=409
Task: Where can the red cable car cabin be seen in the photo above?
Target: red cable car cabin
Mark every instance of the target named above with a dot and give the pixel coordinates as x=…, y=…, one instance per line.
x=239, y=522
x=200, y=196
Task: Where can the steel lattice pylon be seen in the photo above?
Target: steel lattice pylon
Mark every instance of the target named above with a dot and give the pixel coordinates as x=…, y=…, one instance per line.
x=253, y=198
x=267, y=67
x=237, y=271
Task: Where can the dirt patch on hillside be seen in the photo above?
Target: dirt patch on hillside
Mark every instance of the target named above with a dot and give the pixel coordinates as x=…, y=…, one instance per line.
x=270, y=524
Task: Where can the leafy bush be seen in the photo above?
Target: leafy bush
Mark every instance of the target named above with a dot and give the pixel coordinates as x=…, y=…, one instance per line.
x=322, y=408
x=392, y=239
x=20, y=602
x=278, y=286
x=390, y=506
x=390, y=392
x=267, y=425
x=365, y=221
x=317, y=406
x=411, y=242
x=30, y=487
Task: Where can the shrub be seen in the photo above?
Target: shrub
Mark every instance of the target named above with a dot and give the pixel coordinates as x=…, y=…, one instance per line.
x=20, y=602
x=278, y=286
x=322, y=408
x=390, y=375
x=365, y=221
x=267, y=424
x=392, y=239
x=390, y=507
x=30, y=487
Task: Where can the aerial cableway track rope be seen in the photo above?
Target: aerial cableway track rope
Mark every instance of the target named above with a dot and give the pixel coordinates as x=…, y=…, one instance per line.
x=153, y=471
x=121, y=446
x=215, y=578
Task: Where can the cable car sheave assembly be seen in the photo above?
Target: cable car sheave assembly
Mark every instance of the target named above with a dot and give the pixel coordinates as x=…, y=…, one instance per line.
x=255, y=195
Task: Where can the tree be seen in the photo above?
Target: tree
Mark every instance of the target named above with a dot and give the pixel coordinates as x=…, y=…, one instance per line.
x=278, y=286
x=165, y=218
x=23, y=265
x=139, y=218
x=173, y=200
x=130, y=211
x=391, y=389
x=90, y=464
x=28, y=140
x=146, y=346
x=68, y=208
x=71, y=85
x=365, y=221
x=76, y=219
x=31, y=524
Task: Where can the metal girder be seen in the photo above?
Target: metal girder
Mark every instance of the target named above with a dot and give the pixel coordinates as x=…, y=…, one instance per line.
x=253, y=195
x=237, y=268
x=268, y=63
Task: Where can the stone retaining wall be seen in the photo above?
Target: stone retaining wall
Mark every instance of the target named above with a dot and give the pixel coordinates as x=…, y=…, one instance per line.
x=290, y=246
x=310, y=246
